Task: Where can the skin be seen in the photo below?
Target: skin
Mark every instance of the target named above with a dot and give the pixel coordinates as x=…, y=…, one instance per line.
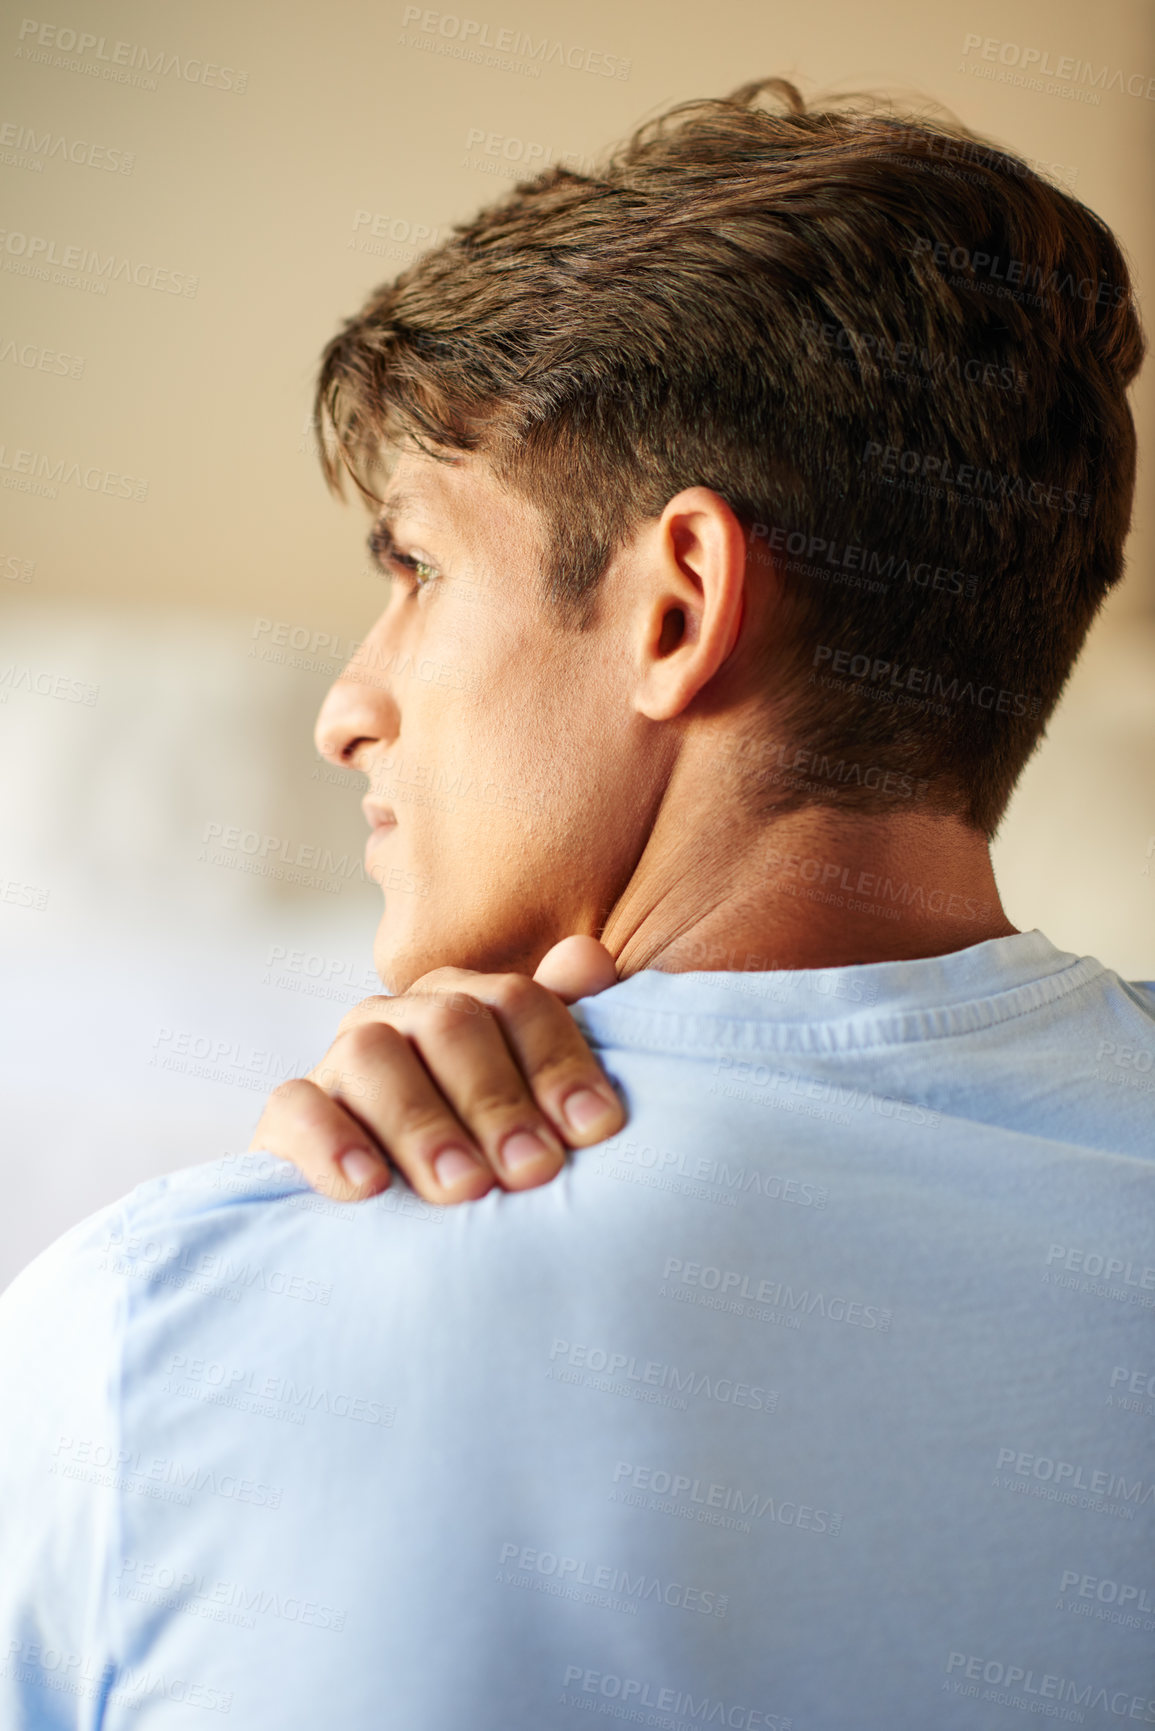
x=529, y=783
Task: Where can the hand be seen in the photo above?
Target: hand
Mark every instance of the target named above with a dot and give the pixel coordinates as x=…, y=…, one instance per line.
x=464, y=1081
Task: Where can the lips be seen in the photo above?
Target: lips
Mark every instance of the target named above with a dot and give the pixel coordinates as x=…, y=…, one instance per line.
x=378, y=815
x=382, y=820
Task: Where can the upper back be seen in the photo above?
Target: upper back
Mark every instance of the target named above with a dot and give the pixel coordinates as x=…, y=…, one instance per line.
x=821, y=1396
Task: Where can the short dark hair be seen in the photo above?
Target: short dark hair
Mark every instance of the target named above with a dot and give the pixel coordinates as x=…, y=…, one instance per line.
x=897, y=352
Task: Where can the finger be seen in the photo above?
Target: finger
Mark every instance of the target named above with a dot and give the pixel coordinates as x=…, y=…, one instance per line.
x=378, y=1075
x=461, y=1045
x=577, y=967
x=565, y=1079
x=460, y=1061
x=302, y=1123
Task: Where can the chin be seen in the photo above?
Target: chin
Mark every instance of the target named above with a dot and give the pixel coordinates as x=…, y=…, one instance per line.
x=397, y=962
x=402, y=954
x=404, y=951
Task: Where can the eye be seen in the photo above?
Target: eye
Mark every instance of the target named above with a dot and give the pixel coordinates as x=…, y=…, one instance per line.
x=418, y=571
x=408, y=567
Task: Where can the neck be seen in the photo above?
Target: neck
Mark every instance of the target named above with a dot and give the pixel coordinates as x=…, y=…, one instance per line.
x=816, y=888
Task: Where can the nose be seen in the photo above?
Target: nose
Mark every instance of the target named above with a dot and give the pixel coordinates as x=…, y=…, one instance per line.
x=359, y=709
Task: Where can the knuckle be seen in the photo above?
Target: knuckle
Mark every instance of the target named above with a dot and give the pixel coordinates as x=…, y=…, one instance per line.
x=445, y=1016
x=447, y=988
x=516, y=992
x=561, y=1070
x=437, y=979
x=305, y=1108
x=289, y=1095
x=367, y=1042
x=418, y=1120
x=367, y=1011
x=437, y=1019
x=498, y=1101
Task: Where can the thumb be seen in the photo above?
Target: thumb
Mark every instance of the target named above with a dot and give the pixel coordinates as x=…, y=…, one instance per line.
x=577, y=967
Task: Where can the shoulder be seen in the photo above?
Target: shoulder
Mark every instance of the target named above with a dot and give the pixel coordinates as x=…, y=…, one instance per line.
x=81, y=1326
x=1143, y=993
x=78, y=1288
x=80, y=1333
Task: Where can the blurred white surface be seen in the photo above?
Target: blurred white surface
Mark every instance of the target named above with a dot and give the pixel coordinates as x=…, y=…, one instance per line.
x=1076, y=853
x=129, y=1052
x=156, y=986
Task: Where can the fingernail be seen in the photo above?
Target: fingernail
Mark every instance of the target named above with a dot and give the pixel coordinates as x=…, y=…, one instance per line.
x=453, y=1164
x=584, y=1110
x=523, y=1146
x=359, y=1166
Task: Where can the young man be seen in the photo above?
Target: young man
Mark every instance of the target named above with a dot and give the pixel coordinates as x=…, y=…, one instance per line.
x=752, y=500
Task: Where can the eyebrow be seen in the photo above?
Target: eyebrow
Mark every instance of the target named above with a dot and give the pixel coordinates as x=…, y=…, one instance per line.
x=395, y=505
x=382, y=537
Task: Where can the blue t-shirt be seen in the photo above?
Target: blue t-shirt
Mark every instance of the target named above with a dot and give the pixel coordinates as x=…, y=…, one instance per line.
x=821, y=1397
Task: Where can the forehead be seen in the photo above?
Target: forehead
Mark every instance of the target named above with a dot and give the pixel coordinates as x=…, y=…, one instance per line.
x=463, y=504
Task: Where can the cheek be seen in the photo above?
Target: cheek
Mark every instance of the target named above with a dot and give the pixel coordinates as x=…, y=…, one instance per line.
x=525, y=733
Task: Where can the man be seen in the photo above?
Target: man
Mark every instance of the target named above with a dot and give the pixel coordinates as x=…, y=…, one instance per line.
x=818, y=1396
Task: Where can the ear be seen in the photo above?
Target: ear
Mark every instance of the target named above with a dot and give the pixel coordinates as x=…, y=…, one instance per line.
x=693, y=565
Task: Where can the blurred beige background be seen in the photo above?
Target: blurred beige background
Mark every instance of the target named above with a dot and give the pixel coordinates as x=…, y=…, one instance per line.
x=193, y=197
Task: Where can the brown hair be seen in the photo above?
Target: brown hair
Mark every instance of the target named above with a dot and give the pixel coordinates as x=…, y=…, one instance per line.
x=898, y=353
